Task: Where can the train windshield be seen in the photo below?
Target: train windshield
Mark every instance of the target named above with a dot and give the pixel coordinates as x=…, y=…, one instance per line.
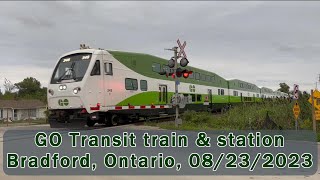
x=71, y=68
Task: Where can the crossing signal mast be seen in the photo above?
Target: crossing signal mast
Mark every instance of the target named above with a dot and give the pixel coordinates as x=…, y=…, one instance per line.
x=177, y=72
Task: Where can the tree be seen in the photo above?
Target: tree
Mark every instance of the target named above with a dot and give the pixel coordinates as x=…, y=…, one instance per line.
x=284, y=88
x=8, y=86
x=9, y=90
x=30, y=88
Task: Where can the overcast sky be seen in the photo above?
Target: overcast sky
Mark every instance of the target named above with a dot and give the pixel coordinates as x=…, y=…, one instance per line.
x=260, y=42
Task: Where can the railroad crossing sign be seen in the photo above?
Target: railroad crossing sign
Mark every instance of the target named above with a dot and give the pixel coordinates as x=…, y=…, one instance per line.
x=316, y=99
x=296, y=91
x=296, y=110
x=181, y=47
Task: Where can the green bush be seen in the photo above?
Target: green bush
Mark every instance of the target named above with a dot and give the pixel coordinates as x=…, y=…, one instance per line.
x=306, y=124
x=244, y=117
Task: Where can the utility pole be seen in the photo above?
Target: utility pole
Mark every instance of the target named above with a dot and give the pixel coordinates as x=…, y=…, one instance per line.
x=314, y=122
x=317, y=82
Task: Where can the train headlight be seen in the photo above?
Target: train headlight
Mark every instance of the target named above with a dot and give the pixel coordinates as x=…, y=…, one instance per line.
x=62, y=87
x=76, y=90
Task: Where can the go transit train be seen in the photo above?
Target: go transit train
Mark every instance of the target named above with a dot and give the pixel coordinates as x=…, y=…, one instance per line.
x=91, y=86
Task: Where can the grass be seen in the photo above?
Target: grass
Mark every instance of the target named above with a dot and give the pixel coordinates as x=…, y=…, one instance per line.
x=244, y=117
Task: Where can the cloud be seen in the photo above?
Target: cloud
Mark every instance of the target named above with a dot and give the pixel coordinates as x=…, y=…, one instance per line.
x=260, y=42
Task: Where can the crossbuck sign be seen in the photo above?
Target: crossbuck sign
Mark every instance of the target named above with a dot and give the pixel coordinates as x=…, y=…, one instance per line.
x=296, y=92
x=181, y=47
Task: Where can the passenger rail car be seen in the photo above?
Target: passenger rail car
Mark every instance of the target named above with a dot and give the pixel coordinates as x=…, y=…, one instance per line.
x=94, y=85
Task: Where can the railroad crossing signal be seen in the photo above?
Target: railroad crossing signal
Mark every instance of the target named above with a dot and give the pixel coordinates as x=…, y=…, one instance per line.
x=178, y=72
x=296, y=91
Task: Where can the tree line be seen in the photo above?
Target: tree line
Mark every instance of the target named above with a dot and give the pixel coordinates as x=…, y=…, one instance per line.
x=28, y=88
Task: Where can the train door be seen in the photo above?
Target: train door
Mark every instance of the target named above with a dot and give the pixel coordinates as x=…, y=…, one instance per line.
x=95, y=83
x=107, y=78
x=241, y=97
x=163, y=94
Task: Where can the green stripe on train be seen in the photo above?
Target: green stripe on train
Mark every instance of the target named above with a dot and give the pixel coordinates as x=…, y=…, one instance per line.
x=152, y=97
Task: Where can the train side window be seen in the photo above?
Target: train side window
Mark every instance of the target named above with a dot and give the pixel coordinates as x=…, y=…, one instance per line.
x=96, y=68
x=212, y=78
x=108, y=68
x=143, y=85
x=193, y=96
x=235, y=93
x=131, y=84
x=156, y=67
x=203, y=77
x=207, y=78
x=199, y=96
x=165, y=68
x=197, y=76
x=191, y=76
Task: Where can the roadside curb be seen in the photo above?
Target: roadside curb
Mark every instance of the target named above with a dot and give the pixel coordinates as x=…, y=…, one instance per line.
x=21, y=126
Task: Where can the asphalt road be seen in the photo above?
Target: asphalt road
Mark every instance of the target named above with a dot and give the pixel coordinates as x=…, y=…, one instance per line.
x=3, y=176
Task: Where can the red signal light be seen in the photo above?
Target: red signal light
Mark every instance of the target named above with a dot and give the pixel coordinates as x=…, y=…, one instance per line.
x=186, y=75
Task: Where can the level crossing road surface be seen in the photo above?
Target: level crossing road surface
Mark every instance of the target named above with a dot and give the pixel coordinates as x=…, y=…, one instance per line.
x=3, y=176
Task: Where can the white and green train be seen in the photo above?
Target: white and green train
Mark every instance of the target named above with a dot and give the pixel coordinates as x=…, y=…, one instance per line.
x=95, y=85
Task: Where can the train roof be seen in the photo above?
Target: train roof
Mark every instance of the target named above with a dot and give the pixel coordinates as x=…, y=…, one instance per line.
x=142, y=63
x=93, y=51
x=243, y=85
x=266, y=90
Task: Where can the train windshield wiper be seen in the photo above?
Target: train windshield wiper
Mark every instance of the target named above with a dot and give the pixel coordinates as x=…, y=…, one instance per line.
x=70, y=71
